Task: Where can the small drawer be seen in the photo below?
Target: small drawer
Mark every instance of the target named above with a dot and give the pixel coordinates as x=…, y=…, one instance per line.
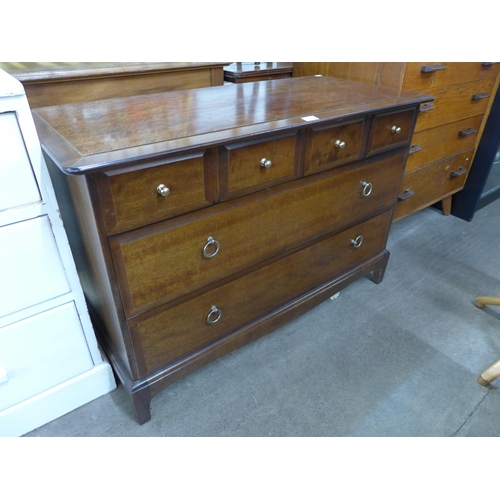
x=331, y=146
x=172, y=334
x=130, y=199
x=390, y=131
x=18, y=186
x=160, y=263
x=427, y=76
x=41, y=352
x=427, y=185
x=455, y=102
x=437, y=143
x=250, y=166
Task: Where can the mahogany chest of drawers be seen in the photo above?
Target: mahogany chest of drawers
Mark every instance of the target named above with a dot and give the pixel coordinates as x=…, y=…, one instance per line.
x=447, y=130
x=204, y=219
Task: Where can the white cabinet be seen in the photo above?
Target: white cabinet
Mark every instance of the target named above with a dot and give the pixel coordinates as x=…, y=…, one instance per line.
x=50, y=362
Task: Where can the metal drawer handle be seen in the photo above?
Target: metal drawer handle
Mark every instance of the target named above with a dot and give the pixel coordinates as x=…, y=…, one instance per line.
x=396, y=129
x=458, y=173
x=426, y=107
x=210, y=242
x=214, y=315
x=357, y=242
x=367, y=188
x=265, y=163
x=481, y=95
x=434, y=67
x=414, y=149
x=163, y=190
x=340, y=144
x=467, y=131
x=407, y=194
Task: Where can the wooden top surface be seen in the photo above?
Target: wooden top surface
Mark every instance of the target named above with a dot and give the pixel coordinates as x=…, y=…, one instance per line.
x=98, y=135
x=38, y=72
x=240, y=69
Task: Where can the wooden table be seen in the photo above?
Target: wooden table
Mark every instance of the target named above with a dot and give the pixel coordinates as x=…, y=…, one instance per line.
x=53, y=83
x=241, y=72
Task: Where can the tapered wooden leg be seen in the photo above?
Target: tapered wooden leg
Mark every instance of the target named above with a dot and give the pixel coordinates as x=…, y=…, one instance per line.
x=378, y=274
x=490, y=374
x=142, y=405
x=490, y=301
x=446, y=205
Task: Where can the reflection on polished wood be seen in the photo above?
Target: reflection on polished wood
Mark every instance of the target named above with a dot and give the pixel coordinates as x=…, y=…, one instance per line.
x=53, y=83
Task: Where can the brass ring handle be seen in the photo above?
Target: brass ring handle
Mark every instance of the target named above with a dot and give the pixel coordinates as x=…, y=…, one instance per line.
x=210, y=242
x=265, y=163
x=356, y=243
x=340, y=144
x=214, y=315
x=367, y=188
x=163, y=190
x=396, y=129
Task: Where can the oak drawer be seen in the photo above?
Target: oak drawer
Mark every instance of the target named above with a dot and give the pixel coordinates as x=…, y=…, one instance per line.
x=437, y=143
x=169, y=335
x=455, y=102
x=330, y=146
x=250, y=166
x=426, y=76
x=157, y=264
x=427, y=185
x=389, y=131
x=153, y=193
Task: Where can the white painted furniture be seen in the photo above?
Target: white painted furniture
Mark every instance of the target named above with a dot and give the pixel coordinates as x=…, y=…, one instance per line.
x=49, y=359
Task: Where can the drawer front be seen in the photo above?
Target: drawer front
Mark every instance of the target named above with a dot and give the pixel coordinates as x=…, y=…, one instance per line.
x=133, y=199
x=40, y=352
x=455, y=102
x=437, y=143
x=389, y=131
x=169, y=335
x=248, y=167
x=18, y=184
x=31, y=269
x=427, y=185
x=331, y=146
x=426, y=76
x=155, y=265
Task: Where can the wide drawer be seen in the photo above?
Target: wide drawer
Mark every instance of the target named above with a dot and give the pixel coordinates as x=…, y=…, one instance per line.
x=254, y=165
x=427, y=185
x=425, y=76
x=146, y=195
x=157, y=264
x=40, y=352
x=437, y=143
x=18, y=185
x=455, y=102
x=174, y=333
x=390, y=130
x=330, y=146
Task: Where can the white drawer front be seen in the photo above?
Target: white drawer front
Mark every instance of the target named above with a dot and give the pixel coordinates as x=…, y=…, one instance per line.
x=17, y=181
x=41, y=352
x=31, y=270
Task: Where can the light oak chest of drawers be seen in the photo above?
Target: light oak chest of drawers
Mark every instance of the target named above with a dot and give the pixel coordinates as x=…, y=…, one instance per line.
x=447, y=130
x=208, y=218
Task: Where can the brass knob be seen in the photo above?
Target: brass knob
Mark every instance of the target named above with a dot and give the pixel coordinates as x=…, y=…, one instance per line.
x=163, y=190
x=367, y=188
x=215, y=244
x=396, y=129
x=214, y=315
x=357, y=242
x=339, y=144
x=265, y=163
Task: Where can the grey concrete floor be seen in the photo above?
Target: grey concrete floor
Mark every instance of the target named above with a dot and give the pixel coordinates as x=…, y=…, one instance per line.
x=396, y=359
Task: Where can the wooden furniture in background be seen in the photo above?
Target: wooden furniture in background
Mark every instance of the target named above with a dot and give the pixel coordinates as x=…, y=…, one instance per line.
x=49, y=360
x=447, y=131
x=241, y=72
x=210, y=217
x=53, y=83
